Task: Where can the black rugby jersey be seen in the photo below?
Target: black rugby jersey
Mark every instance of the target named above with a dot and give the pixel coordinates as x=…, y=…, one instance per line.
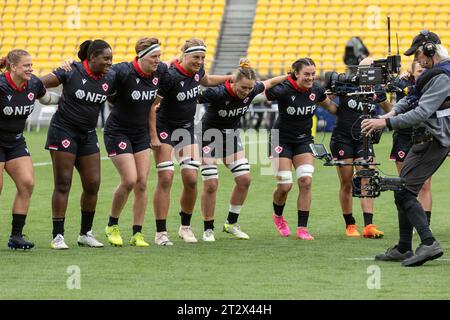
x=179, y=90
x=225, y=109
x=296, y=108
x=348, y=121
x=82, y=96
x=16, y=104
x=136, y=91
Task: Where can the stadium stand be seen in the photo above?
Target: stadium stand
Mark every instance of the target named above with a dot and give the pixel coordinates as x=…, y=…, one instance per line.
x=51, y=30
x=285, y=30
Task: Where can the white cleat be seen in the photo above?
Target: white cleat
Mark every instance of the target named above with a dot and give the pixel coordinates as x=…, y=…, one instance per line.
x=208, y=235
x=185, y=233
x=58, y=243
x=89, y=240
x=235, y=229
x=162, y=239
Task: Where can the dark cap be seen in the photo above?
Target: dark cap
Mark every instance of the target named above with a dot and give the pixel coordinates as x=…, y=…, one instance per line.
x=423, y=37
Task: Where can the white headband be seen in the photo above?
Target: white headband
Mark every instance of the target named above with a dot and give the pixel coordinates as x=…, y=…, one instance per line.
x=151, y=49
x=195, y=49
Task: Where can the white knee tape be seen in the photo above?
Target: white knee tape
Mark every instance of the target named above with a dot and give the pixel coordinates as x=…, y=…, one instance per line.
x=209, y=172
x=284, y=177
x=165, y=165
x=305, y=170
x=189, y=163
x=239, y=167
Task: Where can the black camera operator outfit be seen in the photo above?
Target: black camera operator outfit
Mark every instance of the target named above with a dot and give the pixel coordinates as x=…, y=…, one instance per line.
x=430, y=117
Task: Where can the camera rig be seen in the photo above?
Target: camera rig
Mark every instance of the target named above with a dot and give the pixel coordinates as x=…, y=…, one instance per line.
x=366, y=181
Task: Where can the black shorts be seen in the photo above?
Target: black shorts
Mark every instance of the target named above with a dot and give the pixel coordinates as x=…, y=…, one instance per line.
x=401, y=144
x=122, y=142
x=221, y=143
x=177, y=137
x=16, y=150
x=348, y=148
x=66, y=140
x=289, y=149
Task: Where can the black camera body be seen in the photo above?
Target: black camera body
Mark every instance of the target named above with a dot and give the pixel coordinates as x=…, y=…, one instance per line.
x=381, y=72
x=366, y=182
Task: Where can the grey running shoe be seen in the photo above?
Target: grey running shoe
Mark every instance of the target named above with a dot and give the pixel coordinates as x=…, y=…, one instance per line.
x=423, y=254
x=392, y=254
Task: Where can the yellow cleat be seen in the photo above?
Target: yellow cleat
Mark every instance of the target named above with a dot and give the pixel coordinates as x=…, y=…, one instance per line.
x=371, y=231
x=113, y=235
x=138, y=240
x=352, y=231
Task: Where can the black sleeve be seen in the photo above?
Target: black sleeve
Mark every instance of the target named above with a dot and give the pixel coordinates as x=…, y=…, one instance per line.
x=274, y=93
x=209, y=95
x=165, y=85
x=162, y=69
x=321, y=96
x=121, y=71
x=201, y=72
x=40, y=89
x=63, y=75
x=259, y=87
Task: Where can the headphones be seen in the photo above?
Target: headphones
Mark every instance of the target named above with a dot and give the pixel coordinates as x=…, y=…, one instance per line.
x=429, y=47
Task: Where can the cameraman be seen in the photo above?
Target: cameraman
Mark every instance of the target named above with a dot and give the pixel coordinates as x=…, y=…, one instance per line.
x=401, y=139
x=431, y=141
x=346, y=145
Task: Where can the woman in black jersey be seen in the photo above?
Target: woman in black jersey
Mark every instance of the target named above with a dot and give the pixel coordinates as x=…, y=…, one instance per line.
x=172, y=130
x=72, y=139
x=346, y=145
x=127, y=137
x=290, y=139
x=19, y=89
x=226, y=104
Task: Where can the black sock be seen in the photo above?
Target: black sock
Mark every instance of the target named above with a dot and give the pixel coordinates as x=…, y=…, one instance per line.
x=18, y=221
x=208, y=224
x=58, y=226
x=404, y=246
x=428, y=213
x=278, y=209
x=349, y=219
x=87, y=218
x=302, y=218
x=232, y=217
x=137, y=229
x=368, y=216
x=185, y=218
x=428, y=241
x=113, y=221
x=161, y=225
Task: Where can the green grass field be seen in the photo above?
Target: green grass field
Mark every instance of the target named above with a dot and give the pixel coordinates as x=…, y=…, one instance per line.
x=265, y=267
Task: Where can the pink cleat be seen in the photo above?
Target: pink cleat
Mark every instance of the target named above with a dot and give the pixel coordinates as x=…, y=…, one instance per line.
x=281, y=225
x=302, y=233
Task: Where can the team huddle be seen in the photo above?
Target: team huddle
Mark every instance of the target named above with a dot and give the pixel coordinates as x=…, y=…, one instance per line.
x=154, y=104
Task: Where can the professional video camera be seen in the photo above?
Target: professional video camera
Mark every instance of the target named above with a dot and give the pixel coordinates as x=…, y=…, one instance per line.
x=381, y=73
x=367, y=182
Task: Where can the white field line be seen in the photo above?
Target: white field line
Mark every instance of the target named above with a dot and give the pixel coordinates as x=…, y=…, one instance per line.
x=372, y=259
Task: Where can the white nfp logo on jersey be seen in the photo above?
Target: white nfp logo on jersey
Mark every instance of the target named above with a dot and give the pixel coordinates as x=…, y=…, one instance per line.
x=301, y=110
x=188, y=94
x=18, y=110
x=143, y=95
x=353, y=104
x=233, y=113
x=90, y=96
